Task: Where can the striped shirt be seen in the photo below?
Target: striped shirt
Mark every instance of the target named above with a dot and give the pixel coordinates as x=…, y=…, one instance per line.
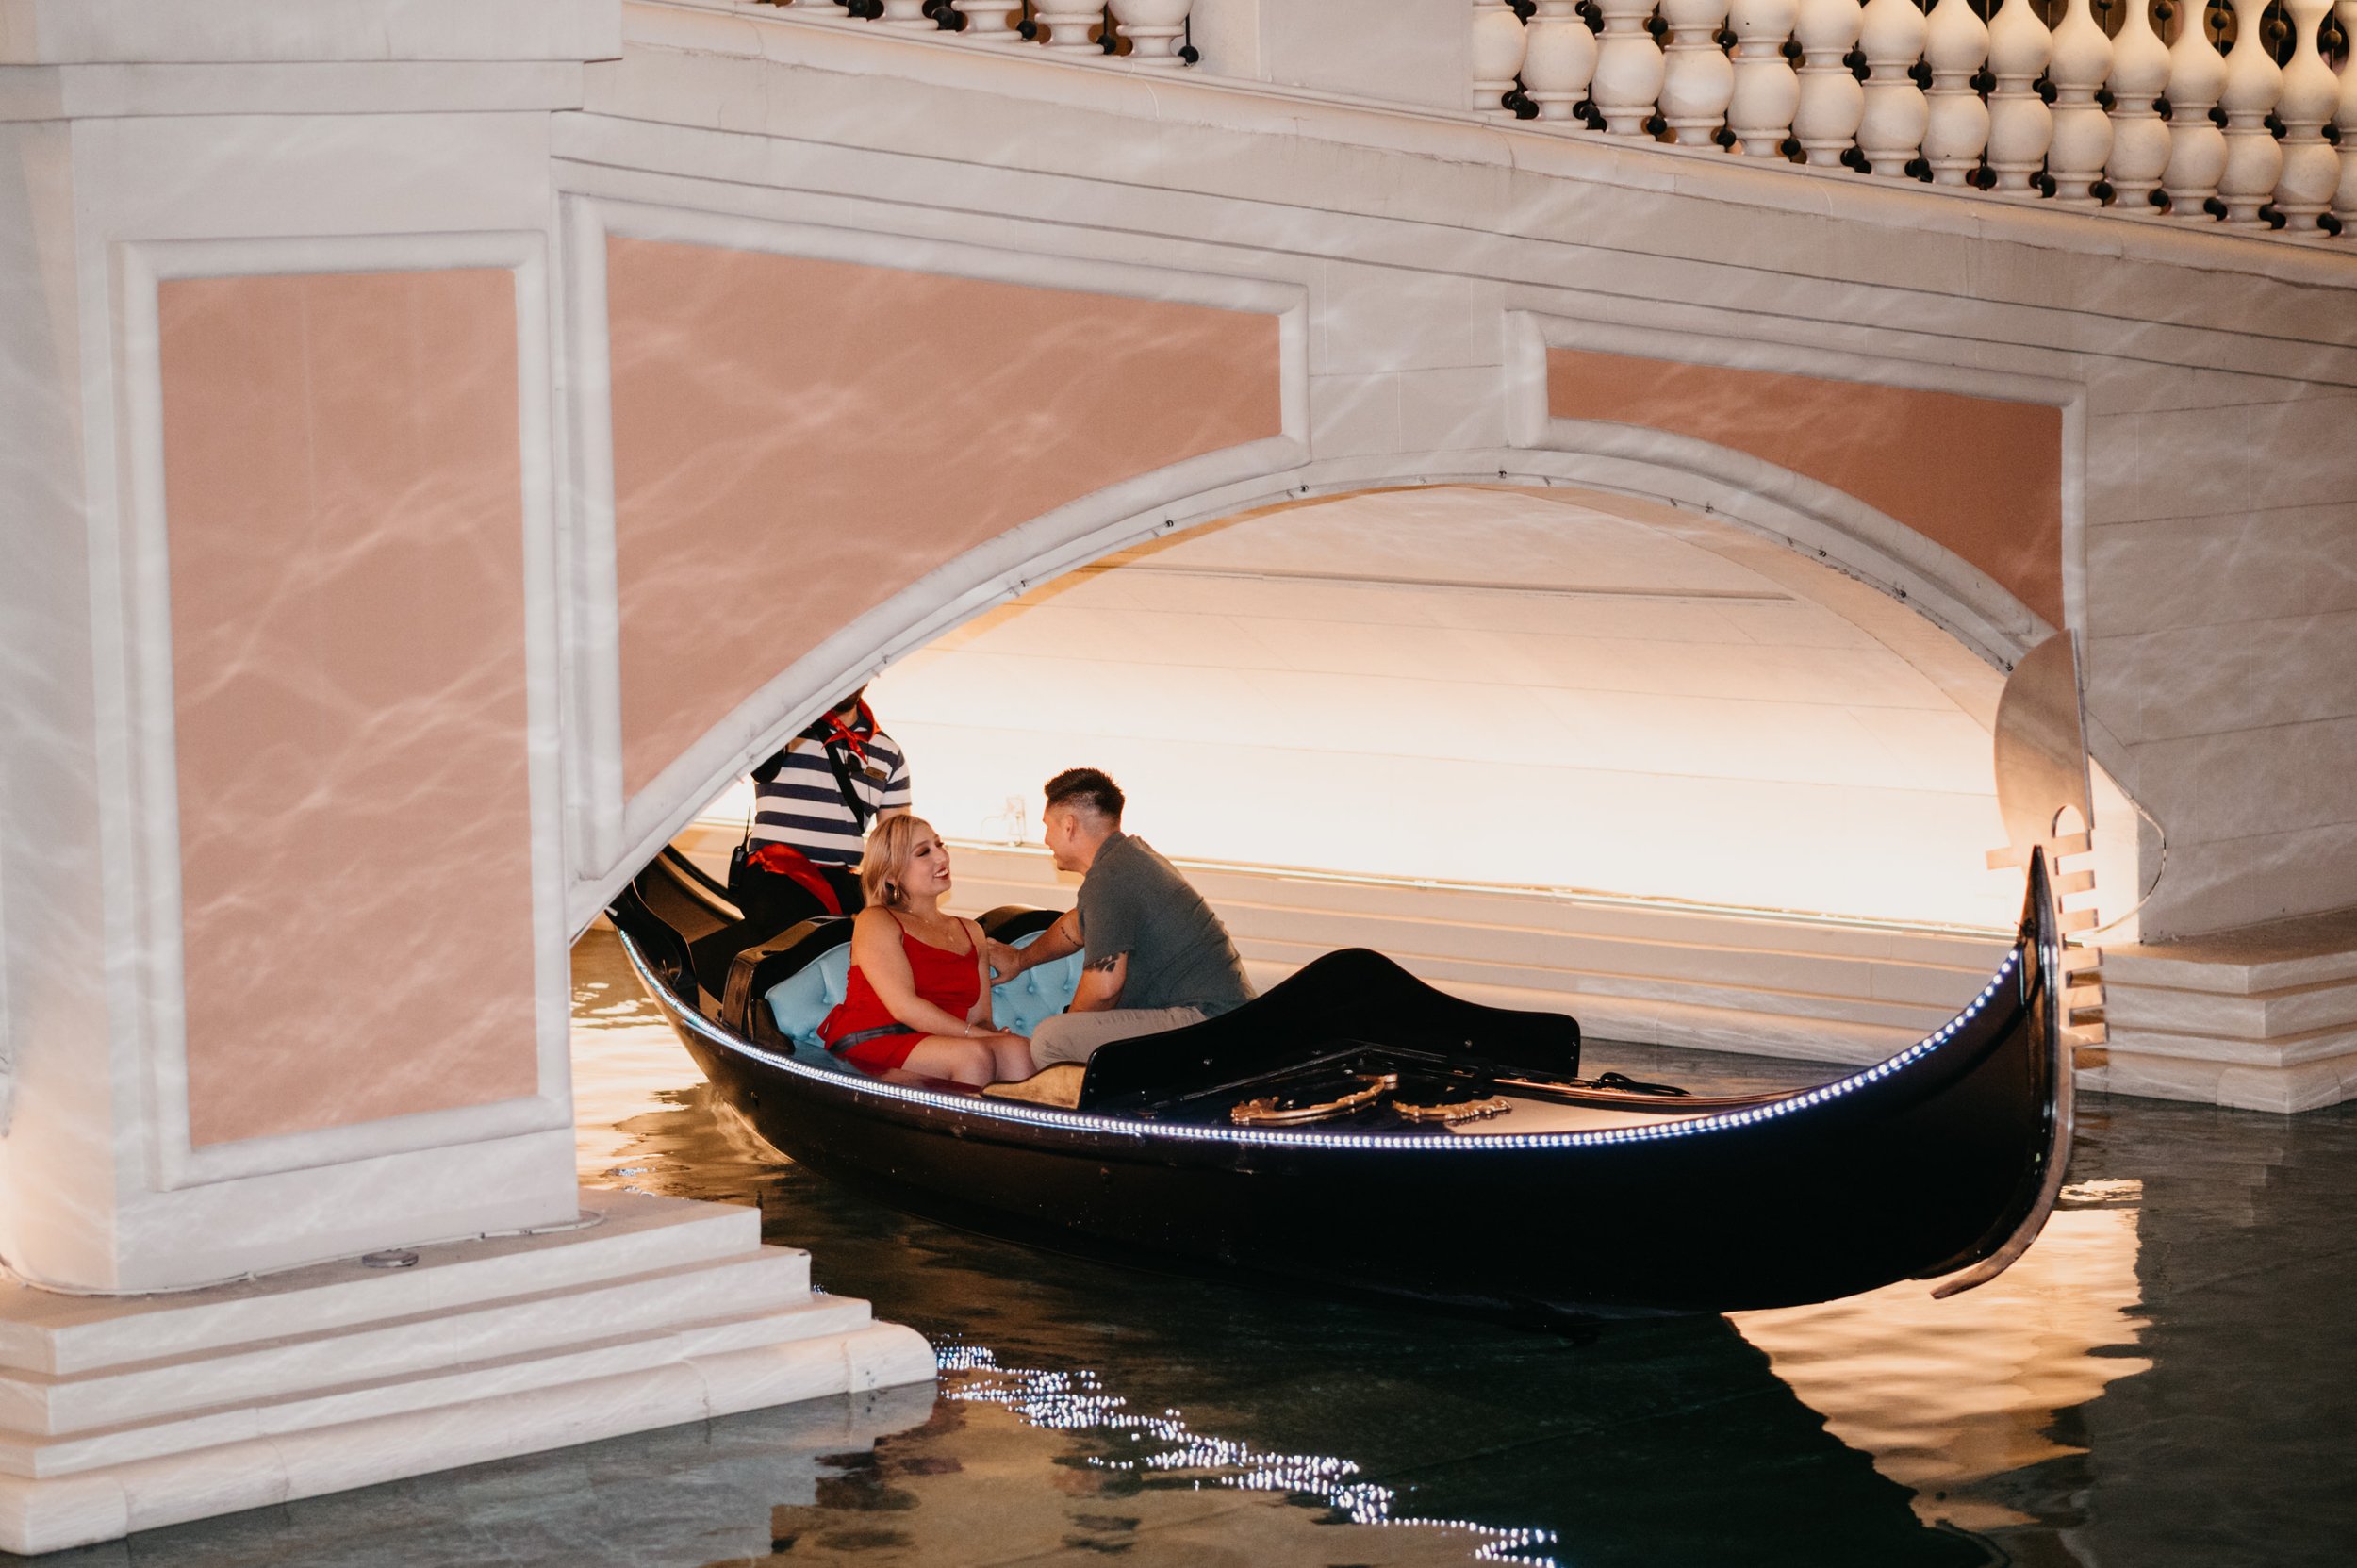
x=802, y=804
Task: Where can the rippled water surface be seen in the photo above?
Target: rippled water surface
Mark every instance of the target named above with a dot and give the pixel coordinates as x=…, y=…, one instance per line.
x=2169, y=1377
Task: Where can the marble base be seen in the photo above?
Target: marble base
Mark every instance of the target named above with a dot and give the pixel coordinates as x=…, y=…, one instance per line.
x=2263, y=1019
x=120, y=1414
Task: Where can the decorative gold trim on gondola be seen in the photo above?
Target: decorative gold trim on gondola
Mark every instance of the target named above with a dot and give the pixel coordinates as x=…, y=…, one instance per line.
x=1455, y=1111
x=1264, y=1112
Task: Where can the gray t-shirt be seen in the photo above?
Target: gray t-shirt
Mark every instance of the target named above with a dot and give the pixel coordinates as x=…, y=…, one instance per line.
x=1134, y=901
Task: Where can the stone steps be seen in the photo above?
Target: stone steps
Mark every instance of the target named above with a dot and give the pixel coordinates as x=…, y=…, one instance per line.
x=122, y=1413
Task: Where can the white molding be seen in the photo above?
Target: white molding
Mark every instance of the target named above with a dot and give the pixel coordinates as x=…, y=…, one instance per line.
x=161, y=1027
x=612, y=834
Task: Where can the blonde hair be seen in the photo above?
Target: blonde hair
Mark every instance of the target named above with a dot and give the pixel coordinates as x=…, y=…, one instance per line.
x=887, y=853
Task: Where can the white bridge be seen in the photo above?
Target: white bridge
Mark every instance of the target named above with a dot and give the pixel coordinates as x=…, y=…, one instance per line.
x=442, y=442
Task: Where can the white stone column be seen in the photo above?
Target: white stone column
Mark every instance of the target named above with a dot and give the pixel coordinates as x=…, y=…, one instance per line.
x=1498, y=42
x=1767, y=90
x=2196, y=148
x=1891, y=132
x=1627, y=83
x=1832, y=103
x=1697, y=81
x=2253, y=158
x=2139, y=137
x=2020, y=123
x=1065, y=25
x=2345, y=117
x=2082, y=63
x=244, y=1042
x=1559, y=59
x=1955, y=133
x=1154, y=29
x=2311, y=93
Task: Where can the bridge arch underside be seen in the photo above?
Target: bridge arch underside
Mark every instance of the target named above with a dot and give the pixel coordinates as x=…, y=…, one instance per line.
x=1503, y=686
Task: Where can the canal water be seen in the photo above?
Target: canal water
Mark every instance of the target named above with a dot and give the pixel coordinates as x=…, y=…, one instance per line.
x=2169, y=1377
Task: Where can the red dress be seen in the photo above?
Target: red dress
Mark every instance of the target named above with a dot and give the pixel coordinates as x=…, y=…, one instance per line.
x=949, y=981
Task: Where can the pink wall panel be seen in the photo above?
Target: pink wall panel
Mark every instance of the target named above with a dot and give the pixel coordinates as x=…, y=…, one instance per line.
x=795, y=441
x=343, y=486
x=1981, y=477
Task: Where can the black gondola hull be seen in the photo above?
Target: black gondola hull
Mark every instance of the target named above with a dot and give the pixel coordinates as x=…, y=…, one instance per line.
x=1927, y=1163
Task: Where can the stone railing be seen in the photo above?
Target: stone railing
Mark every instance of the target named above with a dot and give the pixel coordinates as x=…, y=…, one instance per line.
x=1142, y=32
x=2157, y=110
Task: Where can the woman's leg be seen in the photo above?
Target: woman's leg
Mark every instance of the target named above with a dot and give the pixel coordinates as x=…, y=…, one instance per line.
x=1012, y=1057
x=946, y=1056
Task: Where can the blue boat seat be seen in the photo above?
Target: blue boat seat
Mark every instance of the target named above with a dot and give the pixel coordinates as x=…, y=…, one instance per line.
x=801, y=1002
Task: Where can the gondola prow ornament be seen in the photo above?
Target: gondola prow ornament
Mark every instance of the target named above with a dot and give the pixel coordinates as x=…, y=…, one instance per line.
x=2045, y=797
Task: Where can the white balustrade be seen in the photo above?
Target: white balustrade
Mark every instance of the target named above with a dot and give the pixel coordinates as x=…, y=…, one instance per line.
x=987, y=21
x=1558, y=58
x=2311, y=93
x=908, y=15
x=1697, y=79
x=1766, y=90
x=824, y=10
x=2254, y=159
x=1065, y=25
x=2196, y=148
x=2080, y=63
x=1498, y=42
x=1627, y=83
x=1832, y=103
x=2020, y=123
x=1891, y=131
x=2345, y=116
x=2140, y=136
x=1956, y=131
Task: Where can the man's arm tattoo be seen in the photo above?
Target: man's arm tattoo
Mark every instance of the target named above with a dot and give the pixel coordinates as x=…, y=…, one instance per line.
x=1104, y=964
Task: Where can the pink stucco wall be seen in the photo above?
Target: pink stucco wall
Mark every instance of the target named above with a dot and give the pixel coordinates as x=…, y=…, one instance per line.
x=344, y=499
x=1979, y=476
x=795, y=441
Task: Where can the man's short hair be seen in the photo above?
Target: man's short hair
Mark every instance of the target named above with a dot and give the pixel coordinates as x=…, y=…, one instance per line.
x=1087, y=789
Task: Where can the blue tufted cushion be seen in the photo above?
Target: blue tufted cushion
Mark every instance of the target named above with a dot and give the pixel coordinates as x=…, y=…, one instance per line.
x=801, y=1002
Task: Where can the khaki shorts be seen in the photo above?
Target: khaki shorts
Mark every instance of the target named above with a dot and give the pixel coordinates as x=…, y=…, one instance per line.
x=1075, y=1036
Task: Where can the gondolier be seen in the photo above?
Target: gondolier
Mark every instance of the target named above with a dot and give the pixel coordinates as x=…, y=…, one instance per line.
x=813, y=801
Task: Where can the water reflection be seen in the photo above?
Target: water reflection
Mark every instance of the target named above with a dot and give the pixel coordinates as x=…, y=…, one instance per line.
x=2166, y=1378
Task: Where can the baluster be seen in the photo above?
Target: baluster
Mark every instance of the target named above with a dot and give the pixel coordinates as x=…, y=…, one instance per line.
x=2311, y=93
x=1955, y=132
x=1832, y=102
x=1697, y=81
x=2345, y=116
x=828, y=10
x=986, y=20
x=2020, y=123
x=2139, y=137
x=1561, y=57
x=1153, y=29
x=2254, y=159
x=2080, y=63
x=2196, y=148
x=1499, y=41
x=1065, y=25
x=1891, y=131
x=1627, y=82
x=1767, y=90
x=908, y=15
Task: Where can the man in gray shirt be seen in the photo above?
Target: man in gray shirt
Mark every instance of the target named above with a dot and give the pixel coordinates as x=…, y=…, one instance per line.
x=1158, y=957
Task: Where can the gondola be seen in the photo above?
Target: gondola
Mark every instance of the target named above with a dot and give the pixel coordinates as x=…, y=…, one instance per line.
x=1355, y=1129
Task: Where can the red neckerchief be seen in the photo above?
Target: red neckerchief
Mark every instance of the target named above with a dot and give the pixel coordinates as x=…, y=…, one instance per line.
x=855, y=739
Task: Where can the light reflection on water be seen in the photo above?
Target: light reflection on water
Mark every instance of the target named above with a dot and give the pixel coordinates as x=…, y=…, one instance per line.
x=1888, y=1429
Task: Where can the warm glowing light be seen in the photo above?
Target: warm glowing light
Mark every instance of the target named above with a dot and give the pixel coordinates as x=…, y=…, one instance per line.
x=1527, y=688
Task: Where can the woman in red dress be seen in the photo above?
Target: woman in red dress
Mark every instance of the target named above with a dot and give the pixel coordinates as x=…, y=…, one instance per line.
x=919, y=996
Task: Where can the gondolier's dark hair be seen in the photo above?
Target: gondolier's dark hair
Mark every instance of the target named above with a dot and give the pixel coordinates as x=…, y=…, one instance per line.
x=1090, y=788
